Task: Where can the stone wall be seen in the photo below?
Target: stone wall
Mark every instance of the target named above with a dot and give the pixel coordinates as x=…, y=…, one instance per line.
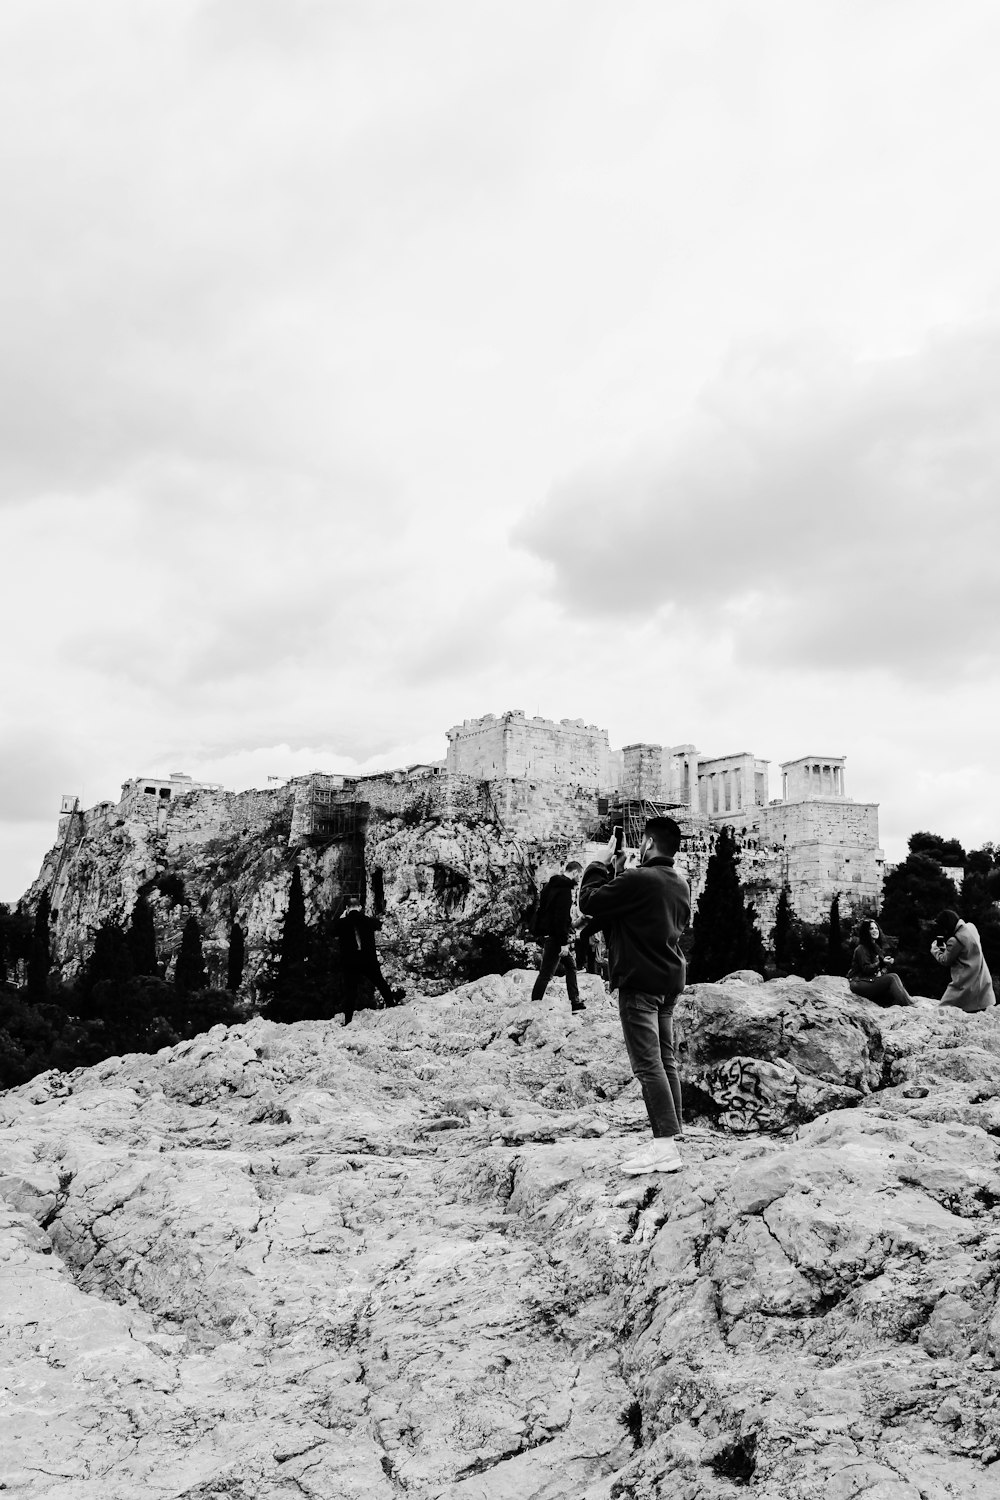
x=513, y=745
x=642, y=772
x=827, y=847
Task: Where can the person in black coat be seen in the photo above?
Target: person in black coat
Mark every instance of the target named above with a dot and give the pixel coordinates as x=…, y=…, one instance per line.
x=359, y=959
x=553, y=929
x=642, y=912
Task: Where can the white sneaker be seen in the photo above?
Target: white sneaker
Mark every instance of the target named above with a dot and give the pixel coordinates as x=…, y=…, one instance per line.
x=661, y=1156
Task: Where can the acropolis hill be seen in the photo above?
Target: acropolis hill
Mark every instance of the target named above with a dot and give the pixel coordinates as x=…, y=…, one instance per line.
x=446, y=851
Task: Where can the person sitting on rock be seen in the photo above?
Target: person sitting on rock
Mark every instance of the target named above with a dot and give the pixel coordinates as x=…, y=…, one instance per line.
x=553, y=929
x=359, y=959
x=958, y=945
x=870, y=975
x=642, y=912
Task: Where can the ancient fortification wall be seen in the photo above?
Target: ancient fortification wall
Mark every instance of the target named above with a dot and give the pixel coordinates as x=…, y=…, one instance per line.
x=513, y=745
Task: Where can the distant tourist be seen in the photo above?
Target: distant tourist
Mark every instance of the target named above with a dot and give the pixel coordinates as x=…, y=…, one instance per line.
x=871, y=973
x=642, y=912
x=553, y=929
x=359, y=959
x=957, y=945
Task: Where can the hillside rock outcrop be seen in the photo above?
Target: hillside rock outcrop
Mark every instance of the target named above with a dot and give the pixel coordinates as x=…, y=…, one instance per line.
x=449, y=881
x=401, y=1258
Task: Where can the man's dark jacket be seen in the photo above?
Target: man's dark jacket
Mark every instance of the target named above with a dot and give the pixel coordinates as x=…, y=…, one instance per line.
x=356, y=935
x=642, y=913
x=554, y=916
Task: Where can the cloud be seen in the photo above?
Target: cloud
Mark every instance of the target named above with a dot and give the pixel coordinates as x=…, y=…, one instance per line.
x=34, y=773
x=823, y=511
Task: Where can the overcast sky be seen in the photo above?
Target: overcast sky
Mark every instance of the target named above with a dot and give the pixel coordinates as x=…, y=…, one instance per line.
x=372, y=364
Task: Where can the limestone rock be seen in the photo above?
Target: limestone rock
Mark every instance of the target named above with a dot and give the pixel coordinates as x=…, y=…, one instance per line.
x=400, y=1257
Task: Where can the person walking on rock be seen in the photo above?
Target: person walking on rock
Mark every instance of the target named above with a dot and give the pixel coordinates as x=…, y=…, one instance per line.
x=958, y=945
x=553, y=929
x=870, y=975
x=359, y=959
x=642, y=912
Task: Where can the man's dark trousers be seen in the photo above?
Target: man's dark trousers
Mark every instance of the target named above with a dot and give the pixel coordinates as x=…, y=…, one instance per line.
x=550, y=961
x=647, y=1026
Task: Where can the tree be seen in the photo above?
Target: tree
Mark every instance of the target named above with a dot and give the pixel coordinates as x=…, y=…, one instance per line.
x=913, y=894
x=237, y=957
x=293, y=950
x=835, y=939
x=945, y=851
x=107, y=993
x=783, y=930
x=721, y=939
x=110, y=960
x=141, y=939
x=189, y=973
x=15, y=942
x=287, y=986
x=39, y=958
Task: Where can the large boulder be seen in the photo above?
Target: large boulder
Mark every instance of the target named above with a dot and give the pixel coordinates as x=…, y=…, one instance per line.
x=769, y=1056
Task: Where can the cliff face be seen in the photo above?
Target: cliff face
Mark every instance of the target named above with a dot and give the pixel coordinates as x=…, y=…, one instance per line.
x=447, y=878
x=401, y=1258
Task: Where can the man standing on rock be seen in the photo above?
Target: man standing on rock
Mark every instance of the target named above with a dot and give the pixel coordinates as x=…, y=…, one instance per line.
x=642, y=912
x=553, y=929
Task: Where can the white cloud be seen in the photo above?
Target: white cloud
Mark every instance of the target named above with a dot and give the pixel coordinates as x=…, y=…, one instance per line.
x=824, y=512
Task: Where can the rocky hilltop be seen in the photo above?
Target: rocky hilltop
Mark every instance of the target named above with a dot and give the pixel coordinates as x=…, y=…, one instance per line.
x=400, y=1258
x=441, y=868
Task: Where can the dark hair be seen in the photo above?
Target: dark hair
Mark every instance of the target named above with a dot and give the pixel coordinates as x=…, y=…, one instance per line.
x=874, y=945
x=573, y=865
x=946, y=922
x=665, y=833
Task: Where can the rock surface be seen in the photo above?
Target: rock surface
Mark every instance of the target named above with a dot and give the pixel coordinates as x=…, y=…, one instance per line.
x=401, y=1258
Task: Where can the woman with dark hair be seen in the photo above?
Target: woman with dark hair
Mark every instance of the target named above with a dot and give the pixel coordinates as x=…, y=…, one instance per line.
x=958, y=946
x=870, y=975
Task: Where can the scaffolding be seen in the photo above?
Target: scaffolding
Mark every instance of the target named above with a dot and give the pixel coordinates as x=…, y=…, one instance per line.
x=634, y=813
x=76, y=811
x=336, y=816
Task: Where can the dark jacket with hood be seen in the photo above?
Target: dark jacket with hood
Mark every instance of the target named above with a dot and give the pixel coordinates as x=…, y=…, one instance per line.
x=554, y=916
x=642, y=913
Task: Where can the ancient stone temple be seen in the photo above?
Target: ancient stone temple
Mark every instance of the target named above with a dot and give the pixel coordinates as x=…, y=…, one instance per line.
x=814, y=838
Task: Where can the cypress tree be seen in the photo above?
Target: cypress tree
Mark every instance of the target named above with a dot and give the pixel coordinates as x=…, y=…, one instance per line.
x=288, y=985
x=141, y=939
x=189, y=974
x=39, y=957
x=721, y=932
x=237, y=957
x=835, y=939
x=294, y=946
x=782, y=931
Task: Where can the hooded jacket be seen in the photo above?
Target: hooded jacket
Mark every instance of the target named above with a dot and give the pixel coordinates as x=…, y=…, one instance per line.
x=554, y=916
x=642, y=913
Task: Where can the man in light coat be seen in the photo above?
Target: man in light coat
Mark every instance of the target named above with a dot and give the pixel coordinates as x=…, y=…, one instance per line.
x=959, y=947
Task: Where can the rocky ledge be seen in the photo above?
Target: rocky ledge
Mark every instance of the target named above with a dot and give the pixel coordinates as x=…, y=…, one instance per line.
x=400, y=1258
